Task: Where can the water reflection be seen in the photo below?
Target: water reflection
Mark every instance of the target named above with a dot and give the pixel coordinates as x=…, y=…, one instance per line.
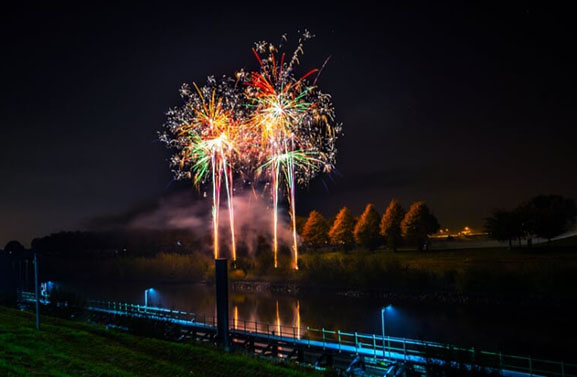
x=511, y=329
x=279, y=315
x=298, y=315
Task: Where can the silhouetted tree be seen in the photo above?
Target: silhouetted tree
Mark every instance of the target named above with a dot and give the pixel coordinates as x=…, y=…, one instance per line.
x=548, y=216
x=367, y=228
x=418, y=223
x=341, y=232
x=300, y=224
x=14, y=247
x=504, y=225
x=315, y=230
x=390, y=227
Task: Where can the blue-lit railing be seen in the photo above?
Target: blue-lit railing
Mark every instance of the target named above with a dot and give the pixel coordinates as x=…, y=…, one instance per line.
x=368, y=345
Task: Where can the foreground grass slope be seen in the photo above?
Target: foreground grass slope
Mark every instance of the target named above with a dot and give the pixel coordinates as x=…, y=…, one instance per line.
x=65, y=348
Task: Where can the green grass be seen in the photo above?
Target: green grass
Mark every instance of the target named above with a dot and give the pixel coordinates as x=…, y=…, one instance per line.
x=66, y=348
x=492, y=270
x=461, y=259
x=560, y=253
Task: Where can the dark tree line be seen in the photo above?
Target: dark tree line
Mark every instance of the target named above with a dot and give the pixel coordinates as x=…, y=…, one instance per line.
x=117, y=243
x=395, y=227
x=544, y=216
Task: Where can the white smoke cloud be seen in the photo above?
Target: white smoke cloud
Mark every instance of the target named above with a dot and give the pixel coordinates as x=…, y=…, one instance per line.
x=253, y=218
x=178, y=211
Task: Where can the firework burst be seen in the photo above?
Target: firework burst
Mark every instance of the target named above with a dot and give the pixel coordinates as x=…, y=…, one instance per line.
x=208, y=133
x=277, y=127
x=294, y=121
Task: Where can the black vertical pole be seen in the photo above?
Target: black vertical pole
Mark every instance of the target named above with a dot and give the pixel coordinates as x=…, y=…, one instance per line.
x=221, y=269
x=36, y=291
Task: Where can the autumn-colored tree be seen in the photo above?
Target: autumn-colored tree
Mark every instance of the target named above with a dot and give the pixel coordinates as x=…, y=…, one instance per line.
x=341, y=232
x=390, y=227
x=315, y=230
x=366, y=231
x=418, y=223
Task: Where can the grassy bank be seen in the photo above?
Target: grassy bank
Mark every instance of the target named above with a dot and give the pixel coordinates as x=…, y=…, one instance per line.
x=467, y=271
x=65, y=348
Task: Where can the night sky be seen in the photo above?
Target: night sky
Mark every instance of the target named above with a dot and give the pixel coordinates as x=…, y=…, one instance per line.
x=468, y=108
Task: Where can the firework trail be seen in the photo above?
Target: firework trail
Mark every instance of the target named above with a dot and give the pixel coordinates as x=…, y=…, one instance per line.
x=293, y=119
x=207, y=131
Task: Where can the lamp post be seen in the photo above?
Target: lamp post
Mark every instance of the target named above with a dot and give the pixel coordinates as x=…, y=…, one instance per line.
x=36, y=291
x=221, y=277
x=383, y=311
x=146, y=297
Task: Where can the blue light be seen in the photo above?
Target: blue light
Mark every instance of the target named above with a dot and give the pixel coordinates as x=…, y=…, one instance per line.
x=388, y=308
x=148, y=292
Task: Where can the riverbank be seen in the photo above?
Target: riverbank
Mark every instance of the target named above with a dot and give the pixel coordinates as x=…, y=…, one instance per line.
x=75, y=349
x=484, y=276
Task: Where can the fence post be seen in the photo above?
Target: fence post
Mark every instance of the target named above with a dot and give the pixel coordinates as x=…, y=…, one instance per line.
x=323, y=331
x=404, y=349
x=530, y=366
x=309, y=337
x=374, y=346
x=339, y=334
x=357, y=343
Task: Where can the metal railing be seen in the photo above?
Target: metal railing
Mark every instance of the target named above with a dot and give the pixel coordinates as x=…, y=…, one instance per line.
x=404, y=349
x=129, y=309
x=369, y=345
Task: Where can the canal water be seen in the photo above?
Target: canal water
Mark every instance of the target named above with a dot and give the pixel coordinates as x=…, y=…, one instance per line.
x=540, y=332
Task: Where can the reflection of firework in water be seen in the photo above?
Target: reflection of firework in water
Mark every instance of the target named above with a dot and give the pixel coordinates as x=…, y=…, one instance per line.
x=279, y=128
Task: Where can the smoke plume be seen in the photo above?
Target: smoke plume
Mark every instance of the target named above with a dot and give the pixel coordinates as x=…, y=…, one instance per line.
x=180, y=210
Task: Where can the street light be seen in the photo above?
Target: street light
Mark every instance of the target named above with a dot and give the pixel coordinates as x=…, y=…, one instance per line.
x=383, y=311
x=146, y=296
